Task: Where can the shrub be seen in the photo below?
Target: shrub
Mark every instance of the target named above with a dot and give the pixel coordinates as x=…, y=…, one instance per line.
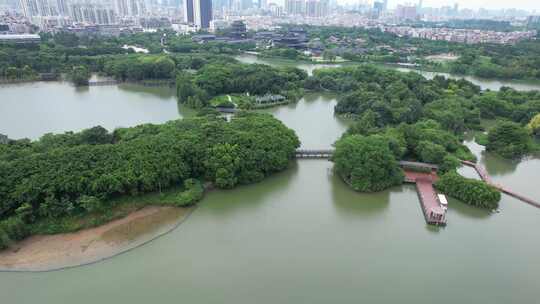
x=90, y=203
x=4, y=239
x=15, y=228
x=449, y=163
x=193, y=193
x=470, y=191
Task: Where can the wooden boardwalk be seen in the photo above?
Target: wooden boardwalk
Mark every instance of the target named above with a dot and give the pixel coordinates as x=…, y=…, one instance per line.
x=484, y=175
x=429, y=201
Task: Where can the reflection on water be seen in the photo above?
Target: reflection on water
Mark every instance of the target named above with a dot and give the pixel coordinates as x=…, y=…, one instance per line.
x=495, y=165
x=468, y=211
x=498, y=166
x=351, y=204
x=313, y=120
x=33, y=109
x=521, y=176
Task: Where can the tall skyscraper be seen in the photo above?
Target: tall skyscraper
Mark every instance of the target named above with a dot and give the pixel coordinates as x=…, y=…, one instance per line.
x=130, y=7
x=30, y=8
x=62, y=7
x=35, y=8
x=202, y=13
x=188, y=11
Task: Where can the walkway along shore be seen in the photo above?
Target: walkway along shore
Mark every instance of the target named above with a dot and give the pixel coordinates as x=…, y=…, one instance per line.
x=484, y=175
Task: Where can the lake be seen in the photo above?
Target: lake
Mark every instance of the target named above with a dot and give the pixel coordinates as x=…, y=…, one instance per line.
x=33, y=109
x=301, y=236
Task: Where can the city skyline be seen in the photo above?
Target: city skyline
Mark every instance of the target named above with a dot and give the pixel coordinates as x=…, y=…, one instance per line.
x=470, y=4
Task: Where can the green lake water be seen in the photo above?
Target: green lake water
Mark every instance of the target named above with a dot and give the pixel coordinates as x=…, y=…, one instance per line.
x=33, y=109
x=301, y=236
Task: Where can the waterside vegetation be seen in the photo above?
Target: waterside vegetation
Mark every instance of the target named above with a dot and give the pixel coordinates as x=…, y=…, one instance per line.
x=76, y=173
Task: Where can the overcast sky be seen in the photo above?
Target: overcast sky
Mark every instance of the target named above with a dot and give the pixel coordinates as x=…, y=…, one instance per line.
x=474, y=4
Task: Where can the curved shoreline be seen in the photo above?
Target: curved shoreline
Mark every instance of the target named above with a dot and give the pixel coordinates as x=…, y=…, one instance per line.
x=186, y=216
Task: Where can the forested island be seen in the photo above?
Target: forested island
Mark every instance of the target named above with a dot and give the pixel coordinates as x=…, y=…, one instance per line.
x=44, y=184
x=402, y=116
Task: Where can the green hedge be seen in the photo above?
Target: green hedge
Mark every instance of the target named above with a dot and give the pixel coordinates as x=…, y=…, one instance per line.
x=470, y=191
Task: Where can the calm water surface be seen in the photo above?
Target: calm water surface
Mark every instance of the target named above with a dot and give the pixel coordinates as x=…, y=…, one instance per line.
x=300, y=236
x=33, y=109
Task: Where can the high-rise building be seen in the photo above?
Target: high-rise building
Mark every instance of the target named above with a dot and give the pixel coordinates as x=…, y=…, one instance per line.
x=378, y=9
x=317, y=8
x=202, y=13
x=125, y=8
x=246, y=4
x=188, y=11
x=86, y=12
x=406, y=12
x=39, y=8
x=62, y=7
x=295, y=7
x=29, y=8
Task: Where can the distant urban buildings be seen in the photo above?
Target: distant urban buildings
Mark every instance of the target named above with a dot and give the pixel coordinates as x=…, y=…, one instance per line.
x=202, y=13
x=470, y=36
x=188, y=12
x=406, y=12
x=309, y=8
x=198, y=13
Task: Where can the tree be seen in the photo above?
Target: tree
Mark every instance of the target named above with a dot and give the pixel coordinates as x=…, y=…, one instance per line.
x=80, y=75
x=223, y=165
x=509, y=140
x=96, y=135
x=534, y=125
x=163, y=67
x=366, y=163
x=430, y=152
x=329, y=55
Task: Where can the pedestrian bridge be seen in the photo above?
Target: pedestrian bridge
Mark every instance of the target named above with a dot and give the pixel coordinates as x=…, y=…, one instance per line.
x=321, y=153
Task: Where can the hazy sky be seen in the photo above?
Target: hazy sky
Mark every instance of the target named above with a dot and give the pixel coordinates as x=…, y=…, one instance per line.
x=474, y=4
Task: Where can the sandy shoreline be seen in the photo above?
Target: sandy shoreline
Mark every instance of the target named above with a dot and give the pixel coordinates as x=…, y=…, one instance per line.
x=50, y=252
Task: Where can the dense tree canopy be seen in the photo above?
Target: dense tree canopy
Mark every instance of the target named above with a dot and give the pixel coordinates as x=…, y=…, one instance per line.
x=509, y=140
x=226, y=78
x=367, y=163
x=59, y=174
